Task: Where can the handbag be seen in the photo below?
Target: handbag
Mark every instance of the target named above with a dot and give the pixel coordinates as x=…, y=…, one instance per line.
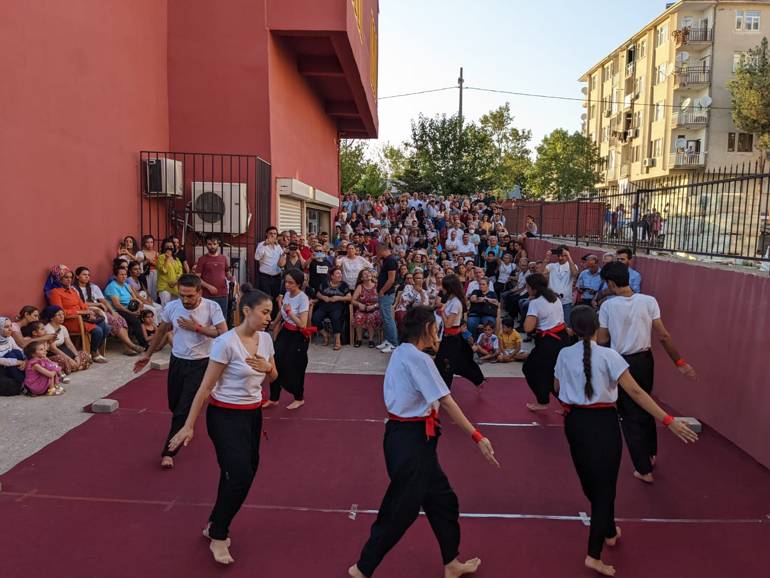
x=133, y=305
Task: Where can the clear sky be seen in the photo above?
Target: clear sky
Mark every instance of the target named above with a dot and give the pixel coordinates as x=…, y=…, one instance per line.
x=516, y=45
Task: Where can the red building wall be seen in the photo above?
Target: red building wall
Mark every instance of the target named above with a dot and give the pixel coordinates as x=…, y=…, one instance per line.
x=718, y=319
x=83, y=89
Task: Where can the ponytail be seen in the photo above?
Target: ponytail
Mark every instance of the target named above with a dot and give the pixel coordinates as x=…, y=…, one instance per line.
x=585, y=323
x=537, y=282
x=589, y=390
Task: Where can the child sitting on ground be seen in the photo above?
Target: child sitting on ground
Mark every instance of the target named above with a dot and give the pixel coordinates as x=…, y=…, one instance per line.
x=510, y=342
x=467, y=335
x=148, y=328
x=487, y=345
x=41, y=374
x=37, y=329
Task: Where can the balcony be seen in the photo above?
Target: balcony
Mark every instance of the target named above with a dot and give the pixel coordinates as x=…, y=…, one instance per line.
x=690, y=119
x=686, y=76
x=688, y=36
x=686, y=160
x=630, y=68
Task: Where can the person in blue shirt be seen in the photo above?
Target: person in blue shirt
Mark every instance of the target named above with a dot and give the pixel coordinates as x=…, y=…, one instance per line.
x=589, y=280
x=626, y=256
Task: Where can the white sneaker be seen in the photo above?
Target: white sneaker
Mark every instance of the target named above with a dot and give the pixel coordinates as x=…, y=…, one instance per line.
x=388, y=349
x=99, y=359
x=65, y=379
x=383, y=345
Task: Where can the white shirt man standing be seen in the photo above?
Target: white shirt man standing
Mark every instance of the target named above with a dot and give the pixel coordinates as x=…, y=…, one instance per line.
x=561, y=278
x=270, y=259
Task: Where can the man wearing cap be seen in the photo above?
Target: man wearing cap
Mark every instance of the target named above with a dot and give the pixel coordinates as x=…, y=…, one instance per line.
x=589, y=281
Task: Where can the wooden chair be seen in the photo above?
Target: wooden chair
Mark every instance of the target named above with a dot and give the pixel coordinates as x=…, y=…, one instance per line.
x=81, y=334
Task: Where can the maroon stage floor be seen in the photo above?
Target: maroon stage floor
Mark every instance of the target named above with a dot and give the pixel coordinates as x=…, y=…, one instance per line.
x=94, y=504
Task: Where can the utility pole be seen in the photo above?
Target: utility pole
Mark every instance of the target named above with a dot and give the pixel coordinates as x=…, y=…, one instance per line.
x=460, y=82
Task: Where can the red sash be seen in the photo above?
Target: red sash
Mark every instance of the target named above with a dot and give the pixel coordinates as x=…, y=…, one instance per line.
x=552, y=332
x=604, y=405
x=306, y=331
x=452, y=331
x=431, y=422
x=215, y=402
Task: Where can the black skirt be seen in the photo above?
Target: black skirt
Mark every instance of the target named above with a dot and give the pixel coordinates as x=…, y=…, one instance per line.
x=291, y=363
x=455, y=357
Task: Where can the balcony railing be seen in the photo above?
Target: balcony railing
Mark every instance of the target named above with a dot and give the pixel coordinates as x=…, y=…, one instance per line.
x=630, y=68
x=697, y=118
x=693, y=75
x=688, y=35
x=687, y=160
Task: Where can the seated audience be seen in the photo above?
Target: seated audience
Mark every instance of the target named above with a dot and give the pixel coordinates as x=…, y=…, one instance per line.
x=170, y=269
x=27, y=315
x=128, y=308
x=483, y=306
x=61, y=350
x=366, y=308
x=12, y=360
x=42, y=376
x=333, y=299
x=510, y=342
x=487, y=346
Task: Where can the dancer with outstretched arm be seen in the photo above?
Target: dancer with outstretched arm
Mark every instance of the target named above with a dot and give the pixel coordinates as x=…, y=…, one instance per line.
x=241, y=360
x=587, y=378
x=195, y=322
x=455, y=356
x=414, y=391
x=627, y=322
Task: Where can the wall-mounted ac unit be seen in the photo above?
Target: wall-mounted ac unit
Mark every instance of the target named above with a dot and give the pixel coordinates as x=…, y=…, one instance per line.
x=649, y=162
x=237, y=257
x=220, y=208
x=294, y=188
x=162, y=177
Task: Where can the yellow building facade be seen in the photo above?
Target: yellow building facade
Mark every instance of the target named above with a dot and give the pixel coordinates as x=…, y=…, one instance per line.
x=659, y=105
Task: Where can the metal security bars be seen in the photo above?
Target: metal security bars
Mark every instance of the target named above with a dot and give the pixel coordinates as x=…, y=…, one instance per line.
x=721, y=213
x=193, y=195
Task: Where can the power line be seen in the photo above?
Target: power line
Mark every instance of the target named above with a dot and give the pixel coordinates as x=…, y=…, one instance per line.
x=418, y=92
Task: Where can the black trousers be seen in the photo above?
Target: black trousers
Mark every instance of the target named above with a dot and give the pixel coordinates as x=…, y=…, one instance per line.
x=455, y=357
x=291, y=363
x=596, y=448
x=270, y=284
x=134, y=328
x=638, y=425
x=416, y=481
x=333, y=311
x=539, y=366
x=235, y=434
x=184, y=379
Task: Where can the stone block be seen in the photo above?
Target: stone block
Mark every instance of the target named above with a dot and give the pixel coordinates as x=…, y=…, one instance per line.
x=104, y=406
x=694, y=424
x=159, y=364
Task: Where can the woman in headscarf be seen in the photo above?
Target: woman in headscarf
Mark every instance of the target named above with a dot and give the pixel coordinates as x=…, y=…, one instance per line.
x=11, y=355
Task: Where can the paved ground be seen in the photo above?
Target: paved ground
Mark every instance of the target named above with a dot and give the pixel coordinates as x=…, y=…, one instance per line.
x=29, y=424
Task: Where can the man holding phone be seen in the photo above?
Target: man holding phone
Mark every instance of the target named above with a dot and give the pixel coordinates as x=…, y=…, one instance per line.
x=561, y=277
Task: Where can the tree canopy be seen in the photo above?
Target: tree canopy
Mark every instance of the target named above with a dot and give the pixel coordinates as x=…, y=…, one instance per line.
x=750, y=92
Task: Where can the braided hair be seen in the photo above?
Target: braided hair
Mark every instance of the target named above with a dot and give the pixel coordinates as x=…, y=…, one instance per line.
x=538, y=283
x=585, y=323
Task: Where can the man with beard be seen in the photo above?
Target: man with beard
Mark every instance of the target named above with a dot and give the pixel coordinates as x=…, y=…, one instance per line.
x=195, y=322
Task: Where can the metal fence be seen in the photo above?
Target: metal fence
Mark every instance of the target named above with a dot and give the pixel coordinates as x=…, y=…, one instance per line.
x=192, y=195
x=721, y=213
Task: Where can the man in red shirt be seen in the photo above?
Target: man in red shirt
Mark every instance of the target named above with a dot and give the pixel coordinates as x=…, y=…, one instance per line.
x=212, y=268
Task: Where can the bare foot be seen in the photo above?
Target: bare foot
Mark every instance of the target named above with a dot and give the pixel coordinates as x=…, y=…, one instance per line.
x=599, y=566
x=221, y=551
x=614, y=540
x=536, y=407
x=206, y=534
x=355, y=572
x=167, y=463
x=455, y=568
x=646, y=478
x=296, y=404
x=269, y=404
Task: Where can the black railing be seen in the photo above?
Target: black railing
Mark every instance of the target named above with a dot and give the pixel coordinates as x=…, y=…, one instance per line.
x=722, y=213
x=690, y=75
x=699, y=34
x=192, y=195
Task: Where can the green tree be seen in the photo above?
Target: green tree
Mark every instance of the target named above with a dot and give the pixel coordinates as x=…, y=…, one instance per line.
x=750, y=92
x=357, y=173
x=565, y=166
x=511, y=156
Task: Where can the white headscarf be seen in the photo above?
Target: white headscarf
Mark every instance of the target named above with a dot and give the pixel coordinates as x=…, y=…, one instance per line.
x=6, y=343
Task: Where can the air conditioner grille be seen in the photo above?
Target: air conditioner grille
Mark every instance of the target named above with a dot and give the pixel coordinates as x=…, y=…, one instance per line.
x=210, y=207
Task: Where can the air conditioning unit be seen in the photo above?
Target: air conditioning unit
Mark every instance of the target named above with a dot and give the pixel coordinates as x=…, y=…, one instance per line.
x=293, y=188
x=608, y=113
x=220, y=208
x=649, y=162
x=237, y=256
x=162, y=177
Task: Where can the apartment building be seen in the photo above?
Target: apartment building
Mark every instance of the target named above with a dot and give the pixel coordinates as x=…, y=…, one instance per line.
x=658, y=104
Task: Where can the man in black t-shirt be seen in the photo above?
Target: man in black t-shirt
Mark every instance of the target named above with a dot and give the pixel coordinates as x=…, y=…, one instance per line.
x=318, y=270
x=386, y=289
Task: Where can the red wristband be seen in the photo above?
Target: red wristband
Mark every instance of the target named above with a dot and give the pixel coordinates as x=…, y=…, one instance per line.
x=198, y=328
x=680, y=362
x=476, y=435
x=668, y=420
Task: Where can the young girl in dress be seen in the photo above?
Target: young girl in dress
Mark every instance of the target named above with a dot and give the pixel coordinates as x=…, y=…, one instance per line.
x=587, y=378
x=42, y=375
x=149, y=327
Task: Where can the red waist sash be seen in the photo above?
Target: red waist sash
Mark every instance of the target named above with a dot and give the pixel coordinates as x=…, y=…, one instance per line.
x=552, y=332
x=215, y=402
x=604, y=405
x=306, y=331
x=452, y=331
x=431, y=422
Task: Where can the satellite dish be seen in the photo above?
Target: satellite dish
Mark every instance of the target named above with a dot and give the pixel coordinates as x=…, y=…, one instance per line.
x=706, y=101
x=681, y=143
x=686, y=104
x=583, y=116
x=683, y=57
x=584, y=90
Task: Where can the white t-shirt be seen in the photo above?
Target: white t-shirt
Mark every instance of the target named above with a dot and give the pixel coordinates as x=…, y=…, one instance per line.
x=549, y=315
x=560, y=281
x=412, y=385
x=239, y=384
x=629, y=321
x=268, y=256
x=606, y=368
x=472, y=286
x=352, y=267
x=454, y=307
x=466, y=248
x=298, y=303
x=504, y=272
x=61, y=337
x=188, y=344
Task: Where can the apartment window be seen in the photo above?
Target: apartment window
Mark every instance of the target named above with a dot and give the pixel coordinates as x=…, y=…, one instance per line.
x=660, y=73
x=657, y=111
x=373, y=54
x=656, y=148
x=641, y=49
x=638, y=119
x=592, y=112
x=661, y=35
x=611, y=162
x=605, y=133
x=743, y=140
x=636, y=154
x=607, y=72
x=747, y=20
x=592, y=137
